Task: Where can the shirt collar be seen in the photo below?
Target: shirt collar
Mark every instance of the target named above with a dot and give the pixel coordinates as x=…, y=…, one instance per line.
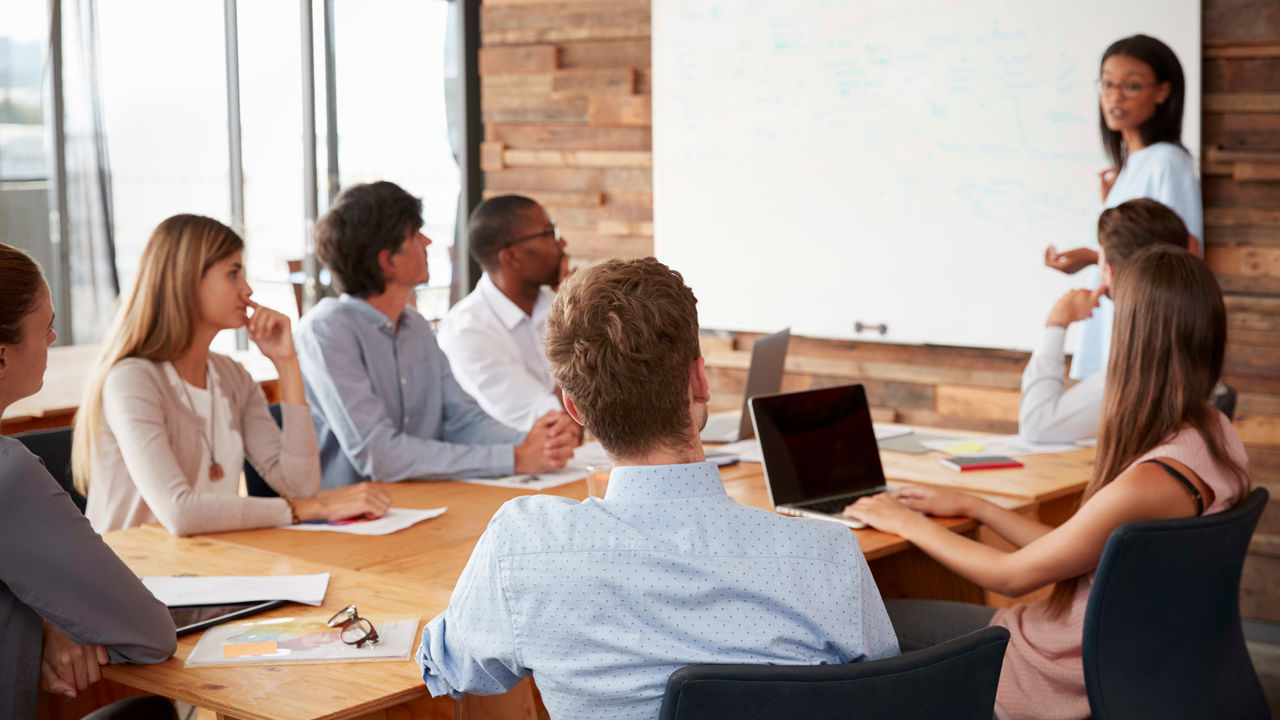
x=509, y=314
x=542, y=307
x=371, y=314
x=651, y=483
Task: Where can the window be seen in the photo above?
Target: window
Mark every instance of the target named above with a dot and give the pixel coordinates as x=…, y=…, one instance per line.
x=391, y=117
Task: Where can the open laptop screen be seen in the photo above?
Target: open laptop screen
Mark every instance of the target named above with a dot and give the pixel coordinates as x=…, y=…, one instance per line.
x=817, y=443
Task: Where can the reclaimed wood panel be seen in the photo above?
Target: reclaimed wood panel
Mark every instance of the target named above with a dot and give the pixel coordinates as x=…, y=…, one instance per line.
x=519, y=59
x=569, y=137
x=561, y=22
x=1241, y=131
x=551, y=198
x=1230, y=75
x=615, y=53
x=1239, y=22
x=982, y=403
x=579, y=158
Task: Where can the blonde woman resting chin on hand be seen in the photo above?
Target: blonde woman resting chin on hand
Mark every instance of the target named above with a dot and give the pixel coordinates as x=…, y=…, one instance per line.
x=165, y=425
x=1163, y=452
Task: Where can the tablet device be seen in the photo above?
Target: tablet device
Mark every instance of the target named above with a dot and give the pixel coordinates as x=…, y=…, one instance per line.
x=192, y=618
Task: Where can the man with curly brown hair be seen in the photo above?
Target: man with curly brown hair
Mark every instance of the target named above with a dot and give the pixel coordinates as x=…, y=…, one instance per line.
x=601, y=600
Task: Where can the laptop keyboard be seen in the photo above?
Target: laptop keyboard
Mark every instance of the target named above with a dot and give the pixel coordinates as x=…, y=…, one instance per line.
x=835, y=506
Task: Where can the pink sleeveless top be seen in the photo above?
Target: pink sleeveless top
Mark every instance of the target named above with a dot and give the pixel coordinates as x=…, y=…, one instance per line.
x=1043, y=675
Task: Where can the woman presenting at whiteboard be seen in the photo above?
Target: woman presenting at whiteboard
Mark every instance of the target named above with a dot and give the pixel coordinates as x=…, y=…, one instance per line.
x=1140, y=100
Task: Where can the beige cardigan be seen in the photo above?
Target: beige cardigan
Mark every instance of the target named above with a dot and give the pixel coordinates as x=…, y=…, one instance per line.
x=149, y=445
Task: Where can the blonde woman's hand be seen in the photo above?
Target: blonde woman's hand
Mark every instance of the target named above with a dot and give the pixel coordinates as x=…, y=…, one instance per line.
x=364, y=499
x=271, y=332
x=68, y=668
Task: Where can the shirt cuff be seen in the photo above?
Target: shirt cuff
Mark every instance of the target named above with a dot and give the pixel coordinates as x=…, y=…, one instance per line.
x=1053, y=341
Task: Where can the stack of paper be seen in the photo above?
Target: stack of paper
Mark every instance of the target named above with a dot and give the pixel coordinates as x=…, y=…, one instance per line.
x=227, y=589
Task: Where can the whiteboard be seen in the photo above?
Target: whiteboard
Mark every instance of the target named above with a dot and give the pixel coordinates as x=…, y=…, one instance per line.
x=823, y=162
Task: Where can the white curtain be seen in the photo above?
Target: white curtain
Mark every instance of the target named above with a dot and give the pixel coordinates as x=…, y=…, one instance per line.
x=85, y=176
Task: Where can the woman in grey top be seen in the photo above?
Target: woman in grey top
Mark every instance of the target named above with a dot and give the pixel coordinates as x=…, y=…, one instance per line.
x=166, y=425
x=67, y=603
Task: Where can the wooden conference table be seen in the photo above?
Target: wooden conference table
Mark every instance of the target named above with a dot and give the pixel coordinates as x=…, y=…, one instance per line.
x=414, y=571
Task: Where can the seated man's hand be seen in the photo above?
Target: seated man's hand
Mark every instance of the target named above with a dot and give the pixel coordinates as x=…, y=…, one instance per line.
x=68, y=668
x=1069, y=261
x=1075, y=306
x=549, y=445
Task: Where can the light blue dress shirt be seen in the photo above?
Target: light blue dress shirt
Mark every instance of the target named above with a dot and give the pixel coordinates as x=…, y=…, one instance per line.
x=1163, y=172
x=385, y=404
x=602, y=600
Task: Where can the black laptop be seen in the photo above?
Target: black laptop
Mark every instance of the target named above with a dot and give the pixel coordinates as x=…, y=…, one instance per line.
x=764, y=375
x=819, y=450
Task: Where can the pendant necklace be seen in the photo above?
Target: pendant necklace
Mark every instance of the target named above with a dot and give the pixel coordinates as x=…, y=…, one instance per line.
x=215, y=469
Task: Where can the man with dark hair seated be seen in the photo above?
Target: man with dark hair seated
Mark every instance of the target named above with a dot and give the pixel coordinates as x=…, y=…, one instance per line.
x=493, y=337
x=601, y=600
x=384, y=401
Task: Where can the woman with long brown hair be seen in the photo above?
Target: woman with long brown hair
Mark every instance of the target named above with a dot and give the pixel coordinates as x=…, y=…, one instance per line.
x=1163, y=452
x=165, y=424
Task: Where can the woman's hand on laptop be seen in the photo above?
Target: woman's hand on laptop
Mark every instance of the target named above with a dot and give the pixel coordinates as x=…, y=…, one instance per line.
x=935, y=501
x=883, y=512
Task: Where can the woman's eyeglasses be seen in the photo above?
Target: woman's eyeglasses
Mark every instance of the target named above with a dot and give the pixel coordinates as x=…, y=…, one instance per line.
x=355, y=630
x=1127, y=89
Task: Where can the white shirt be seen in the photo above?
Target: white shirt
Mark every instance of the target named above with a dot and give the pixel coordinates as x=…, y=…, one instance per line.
x=495, y=352
x=1163, y=172
x=1047, y=412
x=228, y=445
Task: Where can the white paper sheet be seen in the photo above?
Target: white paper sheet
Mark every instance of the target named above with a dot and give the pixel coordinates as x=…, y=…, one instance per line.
x=576, y=469
x=884, y=432
x=224, y=589
x=394, y=520
x=1009, y=445
x=746, y=450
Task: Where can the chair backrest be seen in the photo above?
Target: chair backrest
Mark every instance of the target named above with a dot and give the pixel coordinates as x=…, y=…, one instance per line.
x=1224, y=398
x=956, y=679
x=1162, y=634
x=54, y=448
x=253, y=482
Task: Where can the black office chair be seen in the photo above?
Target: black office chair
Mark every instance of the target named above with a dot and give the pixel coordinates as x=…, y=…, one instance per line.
x=253, y=482
x=54, y=448
x=1162, y=635
x=146, y=707
x=956, y=679
x=1224, y=398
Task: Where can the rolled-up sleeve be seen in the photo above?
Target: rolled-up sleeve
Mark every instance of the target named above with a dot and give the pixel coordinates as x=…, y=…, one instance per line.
x=471, y=646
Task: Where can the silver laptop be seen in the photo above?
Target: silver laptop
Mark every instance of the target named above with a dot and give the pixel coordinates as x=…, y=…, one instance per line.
x=764, y=376
x=819, y=451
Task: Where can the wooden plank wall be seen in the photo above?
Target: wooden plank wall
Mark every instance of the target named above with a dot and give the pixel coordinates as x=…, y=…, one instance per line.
x=566, y=105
